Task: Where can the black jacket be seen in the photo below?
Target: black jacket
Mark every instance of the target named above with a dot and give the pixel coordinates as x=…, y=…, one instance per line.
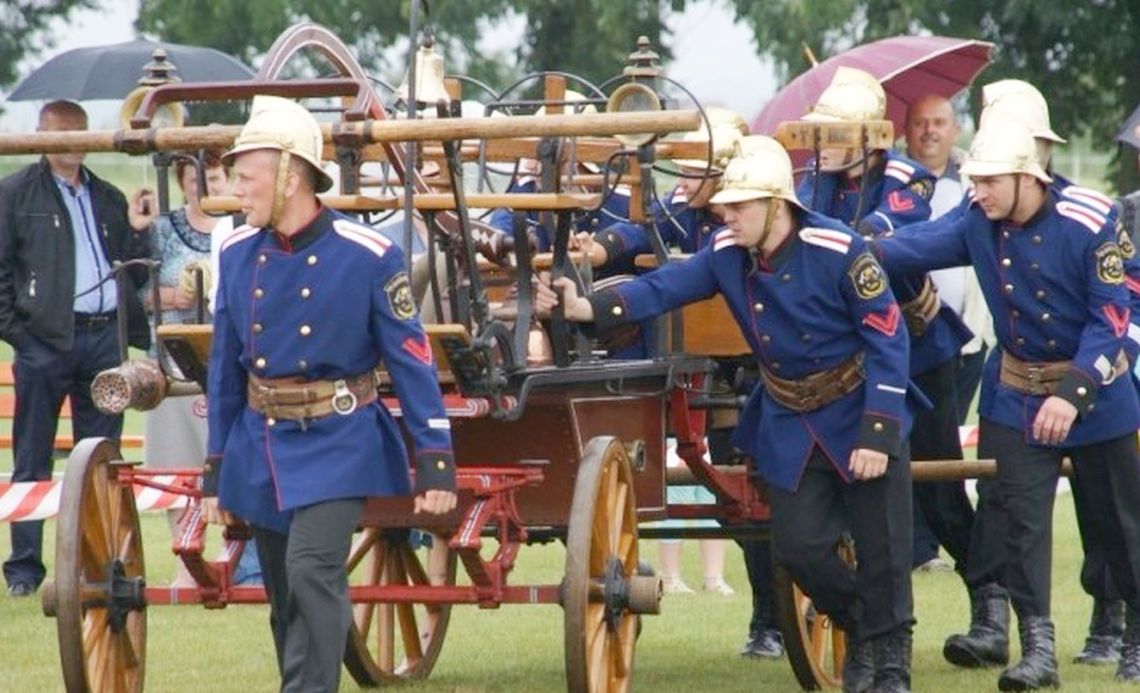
x=37, y=257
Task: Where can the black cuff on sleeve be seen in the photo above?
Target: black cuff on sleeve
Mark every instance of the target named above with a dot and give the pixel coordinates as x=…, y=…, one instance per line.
x=609, y=311
x=210, y=469
x=611, y=242
x=866, y=229
x=435, y=471
x=1078, y=389
x=880, y=433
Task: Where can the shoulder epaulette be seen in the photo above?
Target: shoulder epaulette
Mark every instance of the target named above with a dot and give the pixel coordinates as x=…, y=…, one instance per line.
x=1082, y=214
x=1093, y=198
x=362, y=235
x=240, y=234
x=827, y=238
x=899, y=170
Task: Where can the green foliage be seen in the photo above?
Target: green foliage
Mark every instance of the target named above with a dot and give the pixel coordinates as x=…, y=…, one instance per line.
x=1079, y=55
x=24, y=23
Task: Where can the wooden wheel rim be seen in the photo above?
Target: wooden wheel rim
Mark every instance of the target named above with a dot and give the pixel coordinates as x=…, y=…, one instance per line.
x=391, y=642
x=816, y=647
x=98, y=526
x=601, y=537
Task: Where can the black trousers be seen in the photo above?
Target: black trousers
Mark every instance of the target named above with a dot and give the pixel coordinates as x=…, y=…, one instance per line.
x=1106, y=478
x=934, y=436
x=807, y=525
x=309, y=609
x=44, y=377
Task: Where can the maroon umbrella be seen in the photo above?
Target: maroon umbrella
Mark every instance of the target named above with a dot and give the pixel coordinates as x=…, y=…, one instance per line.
x=908, y=67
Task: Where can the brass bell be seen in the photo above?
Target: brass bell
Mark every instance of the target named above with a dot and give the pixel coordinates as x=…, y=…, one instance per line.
x=429, y=76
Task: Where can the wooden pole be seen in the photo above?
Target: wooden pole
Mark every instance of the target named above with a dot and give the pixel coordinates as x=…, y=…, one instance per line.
x=166, y=139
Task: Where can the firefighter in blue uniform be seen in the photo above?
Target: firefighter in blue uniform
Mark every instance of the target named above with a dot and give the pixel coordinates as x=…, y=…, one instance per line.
x=1059, y=386
x=615, y=204
x=309, y=303
x=687, y=224
x=827, y=428
x=877, y=196
x=987, y=640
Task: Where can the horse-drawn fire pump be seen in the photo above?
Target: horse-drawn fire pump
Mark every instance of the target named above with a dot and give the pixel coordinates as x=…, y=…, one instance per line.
x=549, y=446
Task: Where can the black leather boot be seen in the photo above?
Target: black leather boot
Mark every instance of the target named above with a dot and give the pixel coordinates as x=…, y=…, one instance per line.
x=1106, y=629
x=1038, y=665
x=1129, y=667
x=892, y=662
x=859, y=667
x=987, y=642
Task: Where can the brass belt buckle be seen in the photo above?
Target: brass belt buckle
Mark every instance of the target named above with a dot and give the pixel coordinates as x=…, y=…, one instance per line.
x=343, y=400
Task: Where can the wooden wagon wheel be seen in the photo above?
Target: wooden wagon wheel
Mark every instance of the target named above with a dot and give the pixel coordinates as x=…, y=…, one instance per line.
x=390, y=642
x=815, y=646
x=98, y=595
x=603, y=592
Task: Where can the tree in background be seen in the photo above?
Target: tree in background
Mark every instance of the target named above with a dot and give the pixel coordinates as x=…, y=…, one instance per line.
x=1080, y=55
x=24, y=23
x=587, y=37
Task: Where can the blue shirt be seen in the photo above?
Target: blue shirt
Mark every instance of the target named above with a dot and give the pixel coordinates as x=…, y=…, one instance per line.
x=91, y=265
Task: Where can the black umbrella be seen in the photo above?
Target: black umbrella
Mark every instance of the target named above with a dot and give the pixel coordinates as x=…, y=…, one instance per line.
x=1130, y=133
x=112, y=72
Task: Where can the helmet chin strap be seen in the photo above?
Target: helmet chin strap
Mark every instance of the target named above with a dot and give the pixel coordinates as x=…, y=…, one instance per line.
x=279, y=184
x=1016, y=197
x=769, y=220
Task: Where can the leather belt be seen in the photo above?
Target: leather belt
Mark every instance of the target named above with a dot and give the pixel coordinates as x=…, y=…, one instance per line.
x=1042, y=377
x=921, y=310
x=817, y=390
x=90, y=320
x=298, y=400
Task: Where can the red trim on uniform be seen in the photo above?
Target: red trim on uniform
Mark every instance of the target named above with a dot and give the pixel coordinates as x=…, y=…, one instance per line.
x=420, y=350
x=1132, y=284
x=899, y=202
x=887, y=323
x=1117, y=318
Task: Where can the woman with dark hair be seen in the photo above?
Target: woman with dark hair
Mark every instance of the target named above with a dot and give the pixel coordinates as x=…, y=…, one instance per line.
x=180, y=241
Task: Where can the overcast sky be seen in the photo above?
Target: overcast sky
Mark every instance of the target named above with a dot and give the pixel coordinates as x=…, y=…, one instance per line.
x=713, y=58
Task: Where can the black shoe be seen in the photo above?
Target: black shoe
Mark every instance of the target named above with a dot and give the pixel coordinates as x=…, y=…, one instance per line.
x=859, y=667
x=1038, y=665
x=987, y=642
x=764, y=644
x=1106, y=633
x=892, y=661
x=21, y=589
x=1129, y=667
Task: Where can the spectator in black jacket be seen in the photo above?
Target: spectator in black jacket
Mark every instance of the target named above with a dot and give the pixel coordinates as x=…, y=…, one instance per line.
x=61, y=231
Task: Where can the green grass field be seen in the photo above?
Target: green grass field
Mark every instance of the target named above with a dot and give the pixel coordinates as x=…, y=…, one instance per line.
x=691, y=646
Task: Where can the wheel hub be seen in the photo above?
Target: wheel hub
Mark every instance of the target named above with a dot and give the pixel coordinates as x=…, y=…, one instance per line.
x=123, y=595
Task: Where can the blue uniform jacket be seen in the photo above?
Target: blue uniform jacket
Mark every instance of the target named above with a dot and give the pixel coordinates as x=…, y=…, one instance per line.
x=1103, y=205
x=615, y=206
x=822, y=300
x=331, y=302
x=898, y=193
x=688, y=229
x=1056, y=290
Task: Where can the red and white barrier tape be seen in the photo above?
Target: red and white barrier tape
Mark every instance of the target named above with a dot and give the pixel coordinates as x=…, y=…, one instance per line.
x=39, y=500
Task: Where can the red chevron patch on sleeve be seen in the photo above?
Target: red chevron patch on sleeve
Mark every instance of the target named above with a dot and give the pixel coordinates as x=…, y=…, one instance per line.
x=1118, y=318
x=421, y=351
x=887, y=323
x=898, y=202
